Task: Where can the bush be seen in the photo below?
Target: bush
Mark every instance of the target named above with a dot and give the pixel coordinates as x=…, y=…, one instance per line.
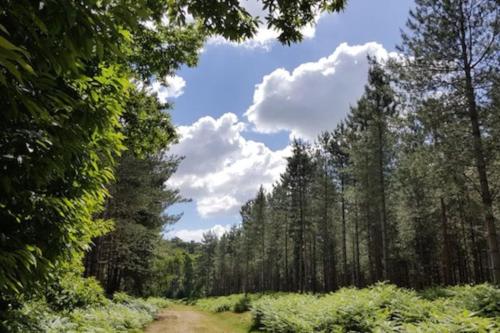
x=123, y=314
x=116, y=317
x=159, y=302
x=380, y=308
x=122, y=298
x=237, y=303
x=243, y=304
x=73, y=291
x=483, y=299
x=219, y=304
x=434, y=293
x=31, y=317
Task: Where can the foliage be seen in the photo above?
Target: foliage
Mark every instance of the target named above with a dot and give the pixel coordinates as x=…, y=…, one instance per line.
x=123, y=314
x=72, y=291
x=172, y=273
x=483, y=299
x=243, y=303
x=380, y=308
x=451, y=56
x=147, y=305
x=137, y=207
x=146, y=125
x=61, y=130
x=236, y=303
x=65, y=79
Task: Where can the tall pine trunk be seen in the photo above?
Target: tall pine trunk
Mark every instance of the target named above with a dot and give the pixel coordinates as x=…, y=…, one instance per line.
x=344, y=232
x=446, y=254
x=383, y=210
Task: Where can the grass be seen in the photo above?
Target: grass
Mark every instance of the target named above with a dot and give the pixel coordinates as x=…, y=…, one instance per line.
x=189, y=318
x=234, y=322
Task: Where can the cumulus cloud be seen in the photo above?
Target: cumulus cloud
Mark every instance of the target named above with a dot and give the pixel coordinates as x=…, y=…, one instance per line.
x=196, y=235
x=315, y=96
x=264, y=36
x=173, y=87
x=222, y=169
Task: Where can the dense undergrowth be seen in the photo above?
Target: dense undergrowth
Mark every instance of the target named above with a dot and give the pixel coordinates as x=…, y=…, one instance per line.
x=236, y=303
x=79, y=305
x=380, y=308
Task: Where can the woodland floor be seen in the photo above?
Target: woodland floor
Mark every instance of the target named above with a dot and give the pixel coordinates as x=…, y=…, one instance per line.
x=189, y=319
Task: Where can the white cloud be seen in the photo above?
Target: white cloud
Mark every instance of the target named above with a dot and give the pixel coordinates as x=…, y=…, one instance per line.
x=264, y=36
x=172, y=88
x=197, y=234
x=222, y=169
x=315, y=96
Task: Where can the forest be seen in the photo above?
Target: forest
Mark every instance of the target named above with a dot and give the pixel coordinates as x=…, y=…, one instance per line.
x=387, y=223
x=386, y=196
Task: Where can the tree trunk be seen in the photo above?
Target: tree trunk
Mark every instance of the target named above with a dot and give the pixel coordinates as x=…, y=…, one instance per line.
x=383, y=213
x=344, y=232
x=446, y=255
x=302, y=250
x=263, y=257
x=357, y=267
x=287, y=278
x=466, y=251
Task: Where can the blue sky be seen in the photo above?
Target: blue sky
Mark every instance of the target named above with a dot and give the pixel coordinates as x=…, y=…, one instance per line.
x=237, y=109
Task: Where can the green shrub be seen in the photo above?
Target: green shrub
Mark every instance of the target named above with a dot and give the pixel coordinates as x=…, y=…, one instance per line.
x=483, y=299
x=434, y=293
x=380, y=308
x=159, y=302
x=129, y=317
x=219, y=304
x=123, y=298
x=243, y=304
x=73, y=291
x=28, y=318
x=237, y=303
x=123, y=314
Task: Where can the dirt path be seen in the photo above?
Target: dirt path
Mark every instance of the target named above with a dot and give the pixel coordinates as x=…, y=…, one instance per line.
x=187, y=319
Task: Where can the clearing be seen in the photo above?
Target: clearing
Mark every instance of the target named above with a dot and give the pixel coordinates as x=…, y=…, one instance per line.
x=189, y=319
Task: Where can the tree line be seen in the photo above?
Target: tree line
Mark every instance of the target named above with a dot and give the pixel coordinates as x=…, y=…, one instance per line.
x=405, y=189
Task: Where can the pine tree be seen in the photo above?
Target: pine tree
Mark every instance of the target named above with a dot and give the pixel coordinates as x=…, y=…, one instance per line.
x=340, y=158
x=122, y=258
x=452, y=47
x=297, y=179
x=326, y=208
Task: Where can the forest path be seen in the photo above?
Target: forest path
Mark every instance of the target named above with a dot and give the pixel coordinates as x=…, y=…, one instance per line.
x=189, y=319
